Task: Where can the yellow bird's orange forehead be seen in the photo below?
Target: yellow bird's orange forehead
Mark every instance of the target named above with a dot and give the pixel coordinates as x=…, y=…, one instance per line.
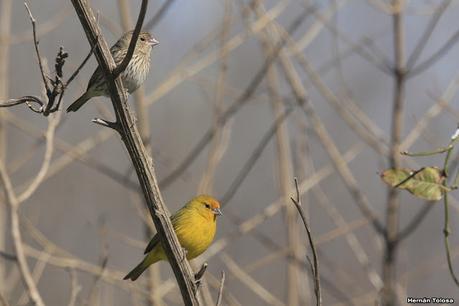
x=208, y=200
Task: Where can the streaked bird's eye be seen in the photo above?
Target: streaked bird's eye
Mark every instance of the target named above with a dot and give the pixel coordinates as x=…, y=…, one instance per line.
x=142, y=39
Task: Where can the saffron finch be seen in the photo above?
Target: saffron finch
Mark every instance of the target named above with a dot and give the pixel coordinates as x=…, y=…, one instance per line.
x=133, y=76
x=195, y=225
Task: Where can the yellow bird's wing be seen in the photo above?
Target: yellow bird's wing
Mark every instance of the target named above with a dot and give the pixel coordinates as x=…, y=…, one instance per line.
x=174, y=219
x=153, y=242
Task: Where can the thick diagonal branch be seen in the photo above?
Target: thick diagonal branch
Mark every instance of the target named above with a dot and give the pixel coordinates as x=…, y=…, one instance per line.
x=143, y=164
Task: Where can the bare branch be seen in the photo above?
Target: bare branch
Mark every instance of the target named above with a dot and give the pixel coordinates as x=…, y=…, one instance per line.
x=142, y=163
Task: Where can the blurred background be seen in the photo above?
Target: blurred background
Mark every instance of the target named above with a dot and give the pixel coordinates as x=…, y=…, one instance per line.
x=328, y=92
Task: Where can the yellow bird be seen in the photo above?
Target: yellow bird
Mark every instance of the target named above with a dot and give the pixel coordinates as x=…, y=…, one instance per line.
x=195, y=225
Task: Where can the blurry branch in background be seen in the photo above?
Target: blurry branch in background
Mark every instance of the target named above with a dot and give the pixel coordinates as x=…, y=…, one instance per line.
x=251, y=161
x=5, y=41
x=14, y=201
x=17, y=200
x=75, y=288
x=44, y=28
x=421, y=44
x=3, y=301
x=327, y=142
x=222, y=137
x=389, y=263
x=297, y=285
x=40, y=177
x=95, y=288
x=315, y=264
x=373, y=56
x=222, y=131
x=13, y=207
x=235, y=106
x=250, y=282
x=270, y=210
x=54, y=88
x=143, y=164
x=159, y=14
x=191, y=68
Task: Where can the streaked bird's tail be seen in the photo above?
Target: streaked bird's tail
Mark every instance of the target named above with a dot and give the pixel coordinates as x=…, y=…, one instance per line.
x=79, y=102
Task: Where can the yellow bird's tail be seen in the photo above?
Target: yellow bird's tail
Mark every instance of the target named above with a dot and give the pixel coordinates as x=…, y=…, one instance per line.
x=137, y=271
x=150, y=259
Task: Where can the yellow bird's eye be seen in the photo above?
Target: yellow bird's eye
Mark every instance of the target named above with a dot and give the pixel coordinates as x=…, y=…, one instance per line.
x=207, y=205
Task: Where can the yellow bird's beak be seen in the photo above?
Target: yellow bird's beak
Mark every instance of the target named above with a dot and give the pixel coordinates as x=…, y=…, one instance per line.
x=217, y=211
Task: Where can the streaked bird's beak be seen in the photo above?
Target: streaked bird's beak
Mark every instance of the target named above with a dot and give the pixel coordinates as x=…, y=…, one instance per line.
x=217, y=211
x=153, y=42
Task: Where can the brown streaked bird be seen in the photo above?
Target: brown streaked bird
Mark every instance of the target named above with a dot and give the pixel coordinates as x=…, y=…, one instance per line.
x=133, y=76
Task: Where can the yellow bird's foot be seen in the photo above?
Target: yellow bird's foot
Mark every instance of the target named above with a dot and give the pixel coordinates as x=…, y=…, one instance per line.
x=198, y=276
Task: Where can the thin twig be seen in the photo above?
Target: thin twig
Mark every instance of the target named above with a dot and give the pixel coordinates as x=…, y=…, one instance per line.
x=37, y=51
x=135, y=35
x=27, y=100
x=73, y=76
x=220, y=290
x=315, y=267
